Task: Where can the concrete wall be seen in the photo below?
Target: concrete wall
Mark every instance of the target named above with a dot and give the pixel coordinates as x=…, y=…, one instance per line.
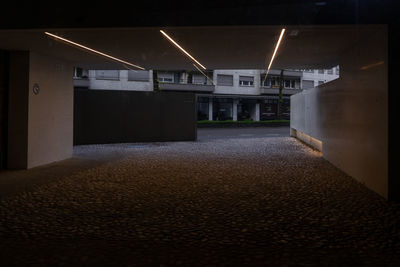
x=121, y=84
x=107, y=116
x=39, y=125
x=50, y=120
x=349, y=115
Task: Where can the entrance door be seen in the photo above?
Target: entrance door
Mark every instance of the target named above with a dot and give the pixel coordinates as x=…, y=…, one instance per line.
x=3, y=107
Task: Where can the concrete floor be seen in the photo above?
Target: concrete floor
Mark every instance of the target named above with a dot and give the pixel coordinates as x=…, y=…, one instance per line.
x=242, y=200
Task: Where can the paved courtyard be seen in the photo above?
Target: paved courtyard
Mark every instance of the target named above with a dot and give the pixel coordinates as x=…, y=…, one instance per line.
x=259, y=200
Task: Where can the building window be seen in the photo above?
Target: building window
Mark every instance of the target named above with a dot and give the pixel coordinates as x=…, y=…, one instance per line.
x=139, y=75
x=290, y=84
x=307, y=84
x=107, y=74
x=199, y=79
x=265, y=82
x=202, y=108
x=275, y=81
x=166, y=80
x=309, y=71
x=222, y=109
x=271, y=81
x=165, y=77
x=330, y=71
x=78, y=72
x=321, y=71
x=337, y=70
x=226, y=80
x=246, y=80
x=320, y=82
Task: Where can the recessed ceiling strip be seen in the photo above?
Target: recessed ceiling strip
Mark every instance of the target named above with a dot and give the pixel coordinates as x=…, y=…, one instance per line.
x=92, y=50
x=183, y=50
x=273, y=55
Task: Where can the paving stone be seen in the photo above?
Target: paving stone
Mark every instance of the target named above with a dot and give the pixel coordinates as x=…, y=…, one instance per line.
x=251, y=201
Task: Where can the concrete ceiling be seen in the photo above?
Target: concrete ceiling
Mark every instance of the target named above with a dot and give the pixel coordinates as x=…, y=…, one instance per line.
x=222, y=47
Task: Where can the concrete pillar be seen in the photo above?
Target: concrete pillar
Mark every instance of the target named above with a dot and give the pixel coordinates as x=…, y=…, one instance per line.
x=210, y=109
x=123, y=76
x=235, y=104
x=257, y=111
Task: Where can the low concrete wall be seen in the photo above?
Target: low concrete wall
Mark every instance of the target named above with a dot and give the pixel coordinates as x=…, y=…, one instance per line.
x=103, y=116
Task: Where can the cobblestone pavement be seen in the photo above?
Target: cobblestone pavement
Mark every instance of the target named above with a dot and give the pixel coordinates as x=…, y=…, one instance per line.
x=250, y=201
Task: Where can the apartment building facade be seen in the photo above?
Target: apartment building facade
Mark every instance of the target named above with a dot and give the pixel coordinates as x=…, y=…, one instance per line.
x=221, y=94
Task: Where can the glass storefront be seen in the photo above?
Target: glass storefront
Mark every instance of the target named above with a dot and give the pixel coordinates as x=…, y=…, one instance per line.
x=246, y=109
x=222, y=109
x=202, y=108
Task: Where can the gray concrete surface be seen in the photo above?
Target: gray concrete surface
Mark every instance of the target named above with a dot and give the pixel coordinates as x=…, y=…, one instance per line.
x=239, y=201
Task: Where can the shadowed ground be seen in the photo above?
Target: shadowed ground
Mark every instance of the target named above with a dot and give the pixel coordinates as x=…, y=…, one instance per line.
x=233, y=201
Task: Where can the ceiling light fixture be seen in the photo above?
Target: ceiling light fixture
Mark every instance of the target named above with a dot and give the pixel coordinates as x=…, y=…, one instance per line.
x=183, y=50
x=203, y=74
x=372, y=65
x=94, y=51
x=273, y=55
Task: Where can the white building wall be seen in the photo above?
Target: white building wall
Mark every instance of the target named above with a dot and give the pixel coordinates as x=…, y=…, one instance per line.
x=236, y=88
x=350, y=115
x=316, y=77
x=121, y=84
x=50, y=117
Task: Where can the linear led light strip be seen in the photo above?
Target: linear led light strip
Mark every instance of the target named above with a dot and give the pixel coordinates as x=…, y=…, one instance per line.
x=94, y=51
x=372, y=65
x=273, y=55
x=203, y=73
x=183, y=50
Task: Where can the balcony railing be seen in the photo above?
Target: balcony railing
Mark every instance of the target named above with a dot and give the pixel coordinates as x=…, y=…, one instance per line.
x=286, y=91
x=286, y=73
x=204, y=88
x=81, y=82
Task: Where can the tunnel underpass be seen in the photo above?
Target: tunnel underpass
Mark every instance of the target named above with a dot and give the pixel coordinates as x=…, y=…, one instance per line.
x=144, y=185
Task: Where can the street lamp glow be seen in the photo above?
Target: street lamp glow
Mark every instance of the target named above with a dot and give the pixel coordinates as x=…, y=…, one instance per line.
x=179, y=47
x=92, y=50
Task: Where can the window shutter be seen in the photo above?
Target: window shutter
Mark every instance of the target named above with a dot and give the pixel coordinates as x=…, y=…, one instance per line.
x=308, y=84
x=139, y=75
x=225, y=80
x=107, y=74
x=246, y=78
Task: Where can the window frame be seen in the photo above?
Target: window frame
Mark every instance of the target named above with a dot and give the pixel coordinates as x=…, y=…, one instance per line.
x=242, y=82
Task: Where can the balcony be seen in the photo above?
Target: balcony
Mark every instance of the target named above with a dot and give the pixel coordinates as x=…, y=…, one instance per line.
x=81, y=82
x=189, y=87
x=264, y=90
x=286, y=73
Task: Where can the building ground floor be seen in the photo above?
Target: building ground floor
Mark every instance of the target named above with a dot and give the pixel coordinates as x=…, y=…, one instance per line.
x=239, y=108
